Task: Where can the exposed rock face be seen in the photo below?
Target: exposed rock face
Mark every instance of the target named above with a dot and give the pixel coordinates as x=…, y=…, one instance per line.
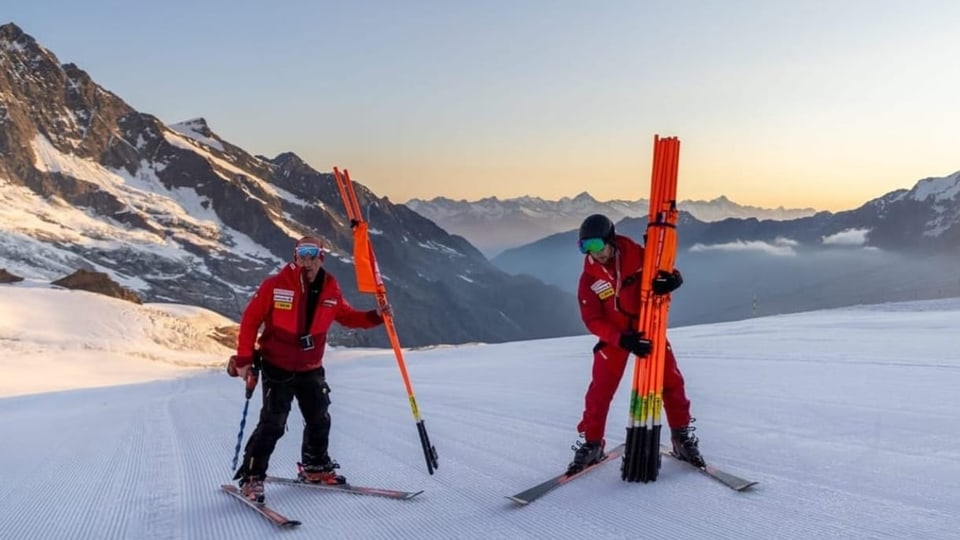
x=226, y=335
x=97, y=282
x=7, y=277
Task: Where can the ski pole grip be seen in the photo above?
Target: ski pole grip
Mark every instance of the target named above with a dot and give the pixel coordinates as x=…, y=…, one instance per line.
x=253, y=375
x=251, y=382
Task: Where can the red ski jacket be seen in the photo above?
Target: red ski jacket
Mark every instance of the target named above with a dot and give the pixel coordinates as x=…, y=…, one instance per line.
x=280, y=305
x=609, y=294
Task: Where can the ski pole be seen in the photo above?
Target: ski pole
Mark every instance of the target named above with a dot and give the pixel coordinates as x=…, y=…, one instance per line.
x=253, y=375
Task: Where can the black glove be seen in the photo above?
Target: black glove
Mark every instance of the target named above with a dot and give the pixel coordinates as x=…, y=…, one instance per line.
x=667, y=282
x=634, y=342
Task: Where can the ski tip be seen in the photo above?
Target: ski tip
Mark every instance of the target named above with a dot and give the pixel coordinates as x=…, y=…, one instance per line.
x=517, y=500
x=291, y=524
x=412, y=494
x=745, y=487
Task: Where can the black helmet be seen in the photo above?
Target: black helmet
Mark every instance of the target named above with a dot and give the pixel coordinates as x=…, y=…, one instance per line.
x=597, y=226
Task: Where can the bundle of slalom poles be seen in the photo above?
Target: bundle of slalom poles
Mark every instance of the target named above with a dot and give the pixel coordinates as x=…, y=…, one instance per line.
x=641, y=461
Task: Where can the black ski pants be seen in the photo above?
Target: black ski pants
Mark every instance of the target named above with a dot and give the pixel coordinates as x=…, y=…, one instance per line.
x=279, y=387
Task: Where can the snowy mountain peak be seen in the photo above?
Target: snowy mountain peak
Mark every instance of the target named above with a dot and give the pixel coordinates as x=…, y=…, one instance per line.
x=931, y=207
x=288, y=159
x=527, y=199
x=198, y=124
x=21, y=48
x=944, y=188
x=584, y=197
x=13, y=39
x=198, y=130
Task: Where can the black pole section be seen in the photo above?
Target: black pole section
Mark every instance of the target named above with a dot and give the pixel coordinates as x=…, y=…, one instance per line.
x=653, y=455
x=631, y=456
x=627, y=455
x=429, y=452
x=643, y=475
x=636, y=466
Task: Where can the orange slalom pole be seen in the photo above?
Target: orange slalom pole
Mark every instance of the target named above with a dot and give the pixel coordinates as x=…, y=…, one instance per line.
x=667, y=261
x=652, y=242
x=641, y=380
x=370, y=280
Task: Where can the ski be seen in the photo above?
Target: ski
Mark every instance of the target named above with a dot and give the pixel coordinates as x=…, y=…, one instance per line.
x=275, y=517
x=534, y=493
x=347, y=488
x=732, y=481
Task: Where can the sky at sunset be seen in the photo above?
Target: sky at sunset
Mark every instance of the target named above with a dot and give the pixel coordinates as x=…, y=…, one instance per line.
x=818, y=103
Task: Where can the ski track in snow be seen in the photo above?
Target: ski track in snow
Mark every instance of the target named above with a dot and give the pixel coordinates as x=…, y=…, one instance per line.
x=843, y=447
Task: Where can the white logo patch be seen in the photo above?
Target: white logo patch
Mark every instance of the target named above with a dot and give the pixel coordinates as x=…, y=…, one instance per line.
x=602, y=288
x=282, y=295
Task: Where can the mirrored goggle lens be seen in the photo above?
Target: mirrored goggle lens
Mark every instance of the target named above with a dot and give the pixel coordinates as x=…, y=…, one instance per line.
x=591, y=245
x=308, y=252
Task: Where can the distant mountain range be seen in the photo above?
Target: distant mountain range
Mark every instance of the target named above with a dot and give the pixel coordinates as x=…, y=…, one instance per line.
x=178, y=214
x=904, y=245
x=494, y=225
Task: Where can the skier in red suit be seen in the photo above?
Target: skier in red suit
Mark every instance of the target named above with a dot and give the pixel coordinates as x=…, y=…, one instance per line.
x=296, y=308
x=609, y=297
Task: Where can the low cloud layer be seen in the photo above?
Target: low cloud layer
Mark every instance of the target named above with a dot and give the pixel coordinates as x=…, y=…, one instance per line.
x=849, y=237
x=781, y=247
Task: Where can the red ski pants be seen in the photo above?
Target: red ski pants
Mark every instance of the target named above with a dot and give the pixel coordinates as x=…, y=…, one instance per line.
x=609, y=363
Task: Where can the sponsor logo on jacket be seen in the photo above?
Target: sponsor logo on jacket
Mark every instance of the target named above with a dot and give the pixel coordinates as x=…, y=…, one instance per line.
x=602, y=288
x=282, y=299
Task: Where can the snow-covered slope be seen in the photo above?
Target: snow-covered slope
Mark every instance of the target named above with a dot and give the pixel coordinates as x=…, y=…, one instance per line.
x=845, y=418
x=59, y=339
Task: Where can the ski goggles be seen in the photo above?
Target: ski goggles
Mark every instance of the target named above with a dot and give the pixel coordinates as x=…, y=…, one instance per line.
x=591, y=245
x=308, y=251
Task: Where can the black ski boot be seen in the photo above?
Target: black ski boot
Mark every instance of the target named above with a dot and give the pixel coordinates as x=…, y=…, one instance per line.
x=589, y=453
x=685, y=445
